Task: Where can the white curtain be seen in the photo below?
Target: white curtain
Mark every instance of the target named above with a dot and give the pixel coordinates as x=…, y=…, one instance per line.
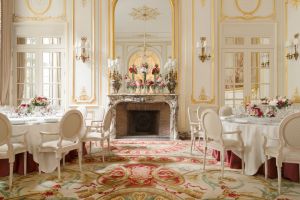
x=5, y=62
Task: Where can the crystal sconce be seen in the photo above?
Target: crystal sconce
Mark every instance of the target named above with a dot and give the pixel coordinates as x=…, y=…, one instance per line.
x=202, y=45
x=82, y=50
x=292, y=47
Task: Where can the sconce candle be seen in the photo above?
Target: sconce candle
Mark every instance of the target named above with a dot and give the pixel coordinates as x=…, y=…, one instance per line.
x=82, y=50
x=202, y=45
x=293, y=48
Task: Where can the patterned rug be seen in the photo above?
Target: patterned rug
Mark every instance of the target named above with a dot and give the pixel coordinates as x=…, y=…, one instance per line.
x=146, y=170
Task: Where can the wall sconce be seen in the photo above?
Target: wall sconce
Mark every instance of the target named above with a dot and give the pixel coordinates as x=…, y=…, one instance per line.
x=293, y=48
x=202, y=45
x=82, y=50
x=265, y=63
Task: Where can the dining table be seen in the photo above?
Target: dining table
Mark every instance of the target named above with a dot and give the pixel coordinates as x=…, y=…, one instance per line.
x=33, y=125
x=253, y=130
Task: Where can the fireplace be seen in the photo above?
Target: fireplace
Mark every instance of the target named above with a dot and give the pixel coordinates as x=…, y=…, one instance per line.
x=143, y=122
x=162, y=108
x=142, y=119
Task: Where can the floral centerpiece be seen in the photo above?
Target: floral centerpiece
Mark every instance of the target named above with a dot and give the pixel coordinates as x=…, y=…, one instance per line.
x=160, y=83
x=280, y=102
x=24, y=108
x=116, y=78
x=133, y=70
x=40, y=101
x=130, y=83
x=148, y=84
x=254, y=110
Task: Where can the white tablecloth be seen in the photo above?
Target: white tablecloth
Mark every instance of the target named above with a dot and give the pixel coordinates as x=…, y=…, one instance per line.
x=252, y=135
x=46, y=161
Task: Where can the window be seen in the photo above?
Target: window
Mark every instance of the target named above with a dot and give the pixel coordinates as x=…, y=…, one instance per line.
x=248, y=65
x=39, y=68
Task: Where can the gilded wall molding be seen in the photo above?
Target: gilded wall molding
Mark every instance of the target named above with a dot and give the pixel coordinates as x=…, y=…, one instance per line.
x=203, y=98
x=90, y=100
x=111, y=31
x=35, y=11
x=248, y=15
x=40, y=15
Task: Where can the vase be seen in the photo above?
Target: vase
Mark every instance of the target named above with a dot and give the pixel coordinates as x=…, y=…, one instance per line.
x=116, y=86
x=171, y=85
x=39, y=110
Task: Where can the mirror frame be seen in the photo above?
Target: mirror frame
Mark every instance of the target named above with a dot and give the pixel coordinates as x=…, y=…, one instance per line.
x=113, y=3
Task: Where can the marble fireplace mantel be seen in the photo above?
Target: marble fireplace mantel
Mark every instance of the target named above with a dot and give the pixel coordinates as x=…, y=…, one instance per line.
x=170, y=99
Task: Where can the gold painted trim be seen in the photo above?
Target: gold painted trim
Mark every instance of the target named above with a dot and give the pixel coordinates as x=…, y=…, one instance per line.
x=62, y=17
x=100, y=52
x=111, y=31
x=286, y=69
x=38, y=12
x=258, y=3
x=112, y=28
x=210, y=100
x=248, y=17
x=93, y=98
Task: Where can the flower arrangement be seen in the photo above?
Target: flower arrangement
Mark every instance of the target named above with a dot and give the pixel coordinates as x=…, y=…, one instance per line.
x=144, y=71
x=132, y=69
x=39, y=101
x=280, y=102
x=155, y=70
x=24, y=108
x=254, y=110
x=130, y=83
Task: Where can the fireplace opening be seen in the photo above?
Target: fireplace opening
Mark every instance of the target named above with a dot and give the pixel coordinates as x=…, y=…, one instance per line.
x=143, y=122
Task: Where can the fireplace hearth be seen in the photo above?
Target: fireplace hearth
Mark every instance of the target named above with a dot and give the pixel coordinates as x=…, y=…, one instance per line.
x=142, y=122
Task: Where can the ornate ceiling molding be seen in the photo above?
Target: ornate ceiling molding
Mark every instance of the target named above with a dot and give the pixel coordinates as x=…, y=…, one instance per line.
x=144, y=13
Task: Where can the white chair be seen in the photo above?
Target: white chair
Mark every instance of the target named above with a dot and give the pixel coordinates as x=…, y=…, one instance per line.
x=100, y=132
x=216, y=138
x=288, y=149
x=195, y=127
x=69, y=138
x=9, y=149
x=225, y=111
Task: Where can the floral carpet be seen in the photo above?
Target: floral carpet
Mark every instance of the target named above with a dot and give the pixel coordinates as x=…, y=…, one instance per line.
x=146, y=170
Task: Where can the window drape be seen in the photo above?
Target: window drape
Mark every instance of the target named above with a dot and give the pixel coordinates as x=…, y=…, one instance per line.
x=6, y=55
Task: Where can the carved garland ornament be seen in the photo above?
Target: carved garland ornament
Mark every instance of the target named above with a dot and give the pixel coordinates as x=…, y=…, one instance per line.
x=144, y=13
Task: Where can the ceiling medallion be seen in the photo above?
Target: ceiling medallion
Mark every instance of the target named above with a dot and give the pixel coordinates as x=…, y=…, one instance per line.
x=144, y=13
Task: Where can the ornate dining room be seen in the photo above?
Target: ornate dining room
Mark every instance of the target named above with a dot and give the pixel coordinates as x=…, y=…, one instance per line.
x=149, y=99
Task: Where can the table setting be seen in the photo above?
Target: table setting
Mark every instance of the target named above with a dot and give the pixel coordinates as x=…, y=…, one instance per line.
x=256, y=120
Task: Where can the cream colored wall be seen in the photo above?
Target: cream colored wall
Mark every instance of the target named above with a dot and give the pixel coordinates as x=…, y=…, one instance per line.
x=292, y=80
x=197, y=18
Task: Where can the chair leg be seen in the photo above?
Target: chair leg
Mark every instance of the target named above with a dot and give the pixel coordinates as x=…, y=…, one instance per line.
x=243, y=164
x=25, y=163
x=80, y=158
x=192, y=143
x=204, y=161
x=279, y=179
x=64, y=159
x=58, y=168
x=90, y=147
x=266, y=166
x=222, y=163
x=102, y=147
x=11, y=172
x=108, y=144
